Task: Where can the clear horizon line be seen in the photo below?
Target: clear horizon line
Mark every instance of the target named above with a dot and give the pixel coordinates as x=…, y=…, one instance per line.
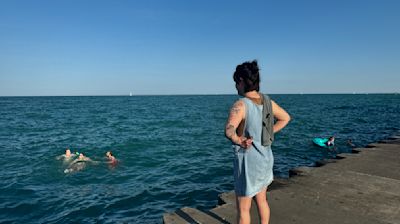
x=197, y=94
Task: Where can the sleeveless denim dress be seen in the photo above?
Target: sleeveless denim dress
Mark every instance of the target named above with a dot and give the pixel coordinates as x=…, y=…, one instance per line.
x=253, y=166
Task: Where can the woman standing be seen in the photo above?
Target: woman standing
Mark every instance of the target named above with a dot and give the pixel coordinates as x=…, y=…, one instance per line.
x=246, y=127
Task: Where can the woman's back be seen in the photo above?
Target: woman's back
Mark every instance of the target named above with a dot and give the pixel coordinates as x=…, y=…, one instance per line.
x=252, y=166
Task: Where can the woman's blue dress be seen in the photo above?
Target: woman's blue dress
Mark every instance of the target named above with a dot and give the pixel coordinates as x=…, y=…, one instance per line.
x=252, y=166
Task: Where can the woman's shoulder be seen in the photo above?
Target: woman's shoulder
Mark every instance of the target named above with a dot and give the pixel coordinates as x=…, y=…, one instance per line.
x=238, y=106
x=240, y=102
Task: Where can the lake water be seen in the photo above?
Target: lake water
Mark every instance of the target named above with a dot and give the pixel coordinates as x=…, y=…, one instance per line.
x=172, y=150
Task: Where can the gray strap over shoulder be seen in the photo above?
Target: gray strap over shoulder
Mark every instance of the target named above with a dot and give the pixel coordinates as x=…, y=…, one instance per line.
x=267, y=135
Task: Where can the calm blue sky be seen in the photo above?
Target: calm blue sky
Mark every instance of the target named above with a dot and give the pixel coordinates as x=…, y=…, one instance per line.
x=82, y=47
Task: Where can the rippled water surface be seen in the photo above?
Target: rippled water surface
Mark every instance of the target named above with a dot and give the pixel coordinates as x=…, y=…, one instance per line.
x=172, y=151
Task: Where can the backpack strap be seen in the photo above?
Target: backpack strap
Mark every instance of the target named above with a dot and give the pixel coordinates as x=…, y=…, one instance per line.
x=267, y=134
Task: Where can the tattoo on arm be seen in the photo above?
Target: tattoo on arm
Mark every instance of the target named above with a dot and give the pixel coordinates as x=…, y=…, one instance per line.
x=234, y=117
x=230, y=131
x=235, y=109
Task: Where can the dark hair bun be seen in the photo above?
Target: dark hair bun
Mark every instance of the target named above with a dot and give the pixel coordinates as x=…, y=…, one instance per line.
x=253, y=66
x=249, y=73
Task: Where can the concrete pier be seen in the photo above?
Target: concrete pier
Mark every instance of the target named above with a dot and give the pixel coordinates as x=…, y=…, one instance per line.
x=360, y=187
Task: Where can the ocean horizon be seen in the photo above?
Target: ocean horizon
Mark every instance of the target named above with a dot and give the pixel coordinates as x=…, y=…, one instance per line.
x=199, y=94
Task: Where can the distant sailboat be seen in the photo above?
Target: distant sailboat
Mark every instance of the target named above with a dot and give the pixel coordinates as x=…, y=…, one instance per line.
x=130, y=94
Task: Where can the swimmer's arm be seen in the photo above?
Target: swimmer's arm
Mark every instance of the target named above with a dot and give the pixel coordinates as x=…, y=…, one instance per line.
x=92, y=161
x=74, y=161
x=282, y=117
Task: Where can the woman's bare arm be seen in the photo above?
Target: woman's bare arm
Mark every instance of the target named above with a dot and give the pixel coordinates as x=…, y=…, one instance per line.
x=236, y=115
x=282, y=117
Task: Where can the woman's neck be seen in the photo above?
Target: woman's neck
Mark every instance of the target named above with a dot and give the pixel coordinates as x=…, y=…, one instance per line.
x=252, y=95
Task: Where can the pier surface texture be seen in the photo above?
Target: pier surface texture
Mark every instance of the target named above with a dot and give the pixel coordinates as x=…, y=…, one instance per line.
x=362, y=187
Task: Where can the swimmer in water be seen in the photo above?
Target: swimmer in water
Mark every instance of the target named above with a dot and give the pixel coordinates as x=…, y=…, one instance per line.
x=330, y=142
x=67, y=156
x=78, y=164
x=111, y=159
x=350, y=143
x=81, y=158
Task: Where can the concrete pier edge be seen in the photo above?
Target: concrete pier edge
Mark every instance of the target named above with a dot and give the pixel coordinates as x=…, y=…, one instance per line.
x=358, y=187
